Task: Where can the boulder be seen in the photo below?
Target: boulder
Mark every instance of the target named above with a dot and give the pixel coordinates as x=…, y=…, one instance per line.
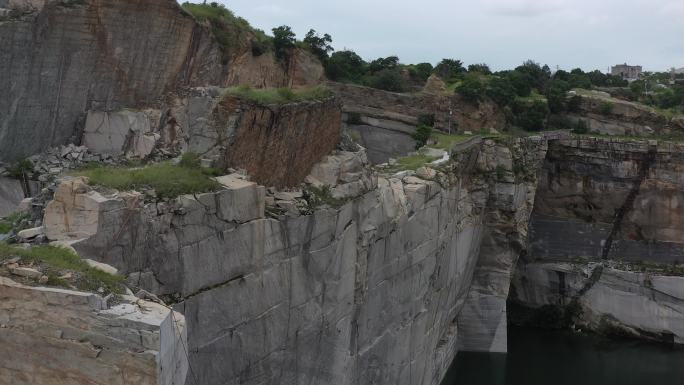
x=26, y=272
x=101, y=266
x=30, y=233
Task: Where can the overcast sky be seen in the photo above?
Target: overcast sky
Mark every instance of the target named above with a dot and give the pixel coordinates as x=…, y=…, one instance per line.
x=591, y=34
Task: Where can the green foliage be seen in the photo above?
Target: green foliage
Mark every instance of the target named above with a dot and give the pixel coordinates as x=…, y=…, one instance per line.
x=411, y=162
x=422, y=71
x=269, y=96
x=480, y=68
x=581, y=127
x=321, y=196
x=556, y=92
x=345, y=66
x=388, y=80
x=383, y=64
x=574, y=103
x=638, y=87
x=426, y=120
x=422, y=135
x=445, y=141
x=501, y=91
x=12, y=222
x=530, y=116
x=228, y=29
x=606, y=107
x=450, y=70
x=319, y=46
x=284, y=40
x=471, y=89
x=167, y=180
x=58, y=258
x=354, y=118
x=21, y=168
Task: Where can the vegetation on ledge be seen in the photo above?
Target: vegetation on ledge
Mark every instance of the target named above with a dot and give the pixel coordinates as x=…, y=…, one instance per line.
x=278, y=95
x=166, y=179
x=63, y=268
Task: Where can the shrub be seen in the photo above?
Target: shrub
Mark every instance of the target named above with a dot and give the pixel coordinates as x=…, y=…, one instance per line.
x=269, y=96
x=450, y=70
x=606, y=107
x=501, y=91
x=422, y=70
x=426, y=120
x=581, y=127
x=388, y=80
x=345, y=66
x=530, y=116
x=422, y=135
x=21, y=168
x=471, y=89
x=354, y=118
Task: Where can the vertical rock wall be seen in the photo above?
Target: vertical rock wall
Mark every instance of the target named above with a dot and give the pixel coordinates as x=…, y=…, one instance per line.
x=369, y=291
x=62, y=337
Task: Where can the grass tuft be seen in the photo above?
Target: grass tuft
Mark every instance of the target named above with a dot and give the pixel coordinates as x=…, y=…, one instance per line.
x=167, y=180
x=56, y=260
x=278, y=95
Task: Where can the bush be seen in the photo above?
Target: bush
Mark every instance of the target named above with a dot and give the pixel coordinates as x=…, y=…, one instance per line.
x=388, y=80
x=422, y=135
x=606, y=107
x=345, y=66
x=354, y=118
x=426, y=120
x=471, y=89
x=21, y=168
x=530, y=116
x=501, y=91
x=581, y=127
x=278, y=95
x=449, y=70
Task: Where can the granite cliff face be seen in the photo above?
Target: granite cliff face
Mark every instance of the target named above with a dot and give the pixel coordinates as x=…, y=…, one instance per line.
x=606, y=237
x=61, y=59
x=367, y=291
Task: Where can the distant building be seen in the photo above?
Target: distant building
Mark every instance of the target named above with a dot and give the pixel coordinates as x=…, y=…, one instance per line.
x=678, y=71
x=627, y=72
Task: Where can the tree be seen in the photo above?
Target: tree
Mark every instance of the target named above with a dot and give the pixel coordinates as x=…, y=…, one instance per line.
x=536, y=76
x=480, y=68
x=345, y=66
x=449, y=69
x=556, y=92
x=423, y=70
x=384, y=63
x=283, y=40
x=422, y=135
x=388, y=79
x=530, y=116
x=319, y=46
x=471, y=89
x=501, y=91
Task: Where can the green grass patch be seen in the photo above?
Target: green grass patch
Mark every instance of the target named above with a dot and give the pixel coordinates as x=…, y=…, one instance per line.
x=446, y=141
x=12, y=222
x=411, y=162
x=269, y=96
x=56, y=260
x=167, y=180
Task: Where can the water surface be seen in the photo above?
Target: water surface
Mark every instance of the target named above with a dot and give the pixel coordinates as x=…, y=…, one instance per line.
x=538, y=357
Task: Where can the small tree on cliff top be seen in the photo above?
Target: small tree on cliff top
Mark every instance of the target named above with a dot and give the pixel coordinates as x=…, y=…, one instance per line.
x=283, y=40
x=319, y=46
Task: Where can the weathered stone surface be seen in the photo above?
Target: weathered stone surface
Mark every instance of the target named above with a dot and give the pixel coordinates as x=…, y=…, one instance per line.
x=122, y=132
x=368, y=292
x=11, y=194
x=645, y=305
x=63, y=59
x=62, y=337
x=31, y=233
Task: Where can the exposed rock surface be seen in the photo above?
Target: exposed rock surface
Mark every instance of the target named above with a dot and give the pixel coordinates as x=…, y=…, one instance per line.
x=605, y=207
x=11, y=194
x=386, y=120
x=62, y=337
x=366, y=291
x=61, y=59
x=610, y=116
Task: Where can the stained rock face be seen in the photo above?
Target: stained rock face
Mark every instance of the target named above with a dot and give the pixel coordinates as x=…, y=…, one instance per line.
x=369, y=291
x=606, y=235
x=62, y=337
x=123, y=132
x=11, y=194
